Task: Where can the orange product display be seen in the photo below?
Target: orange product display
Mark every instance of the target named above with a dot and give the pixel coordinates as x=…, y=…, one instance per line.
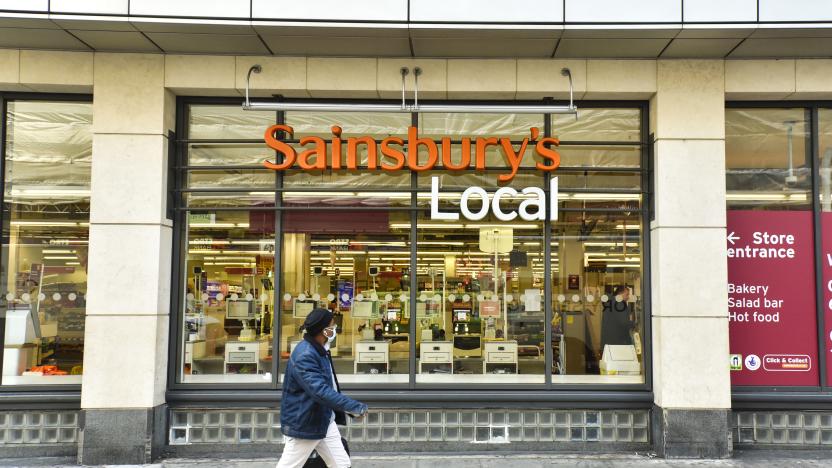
x=48, y=370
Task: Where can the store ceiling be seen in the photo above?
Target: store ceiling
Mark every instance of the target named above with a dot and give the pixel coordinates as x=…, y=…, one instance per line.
x=244, y=37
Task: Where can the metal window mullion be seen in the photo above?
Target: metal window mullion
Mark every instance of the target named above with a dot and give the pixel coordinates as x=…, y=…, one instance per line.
x=178, y=267
x=548, y=354
x=414, y=217
x=277, y=268
x=814, y=137
x=3, y=258
x=647, y=155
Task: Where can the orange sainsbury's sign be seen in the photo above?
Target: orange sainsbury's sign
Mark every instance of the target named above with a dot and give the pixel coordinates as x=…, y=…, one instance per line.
x=395, y=153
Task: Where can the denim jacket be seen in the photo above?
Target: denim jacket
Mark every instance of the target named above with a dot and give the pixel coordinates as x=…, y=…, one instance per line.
x=308, y=394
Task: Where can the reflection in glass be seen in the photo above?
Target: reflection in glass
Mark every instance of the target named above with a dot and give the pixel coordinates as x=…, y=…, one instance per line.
x=46, y=235
x=598, y=124
x=226, y=122
x=598, y=329
x=458, y=125
x=228, y=297
x=373, y=124
x=825, y=155
x=767, y=159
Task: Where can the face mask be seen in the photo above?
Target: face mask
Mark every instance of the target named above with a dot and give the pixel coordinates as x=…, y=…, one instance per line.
x=330, y=339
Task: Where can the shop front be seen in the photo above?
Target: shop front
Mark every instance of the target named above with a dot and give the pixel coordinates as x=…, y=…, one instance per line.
x=644, y=268
x=465, y=255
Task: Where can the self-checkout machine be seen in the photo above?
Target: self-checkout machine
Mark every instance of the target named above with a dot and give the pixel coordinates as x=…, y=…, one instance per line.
x=435, y=354
x=372, y=356
x=246, y=353
x=499, y=355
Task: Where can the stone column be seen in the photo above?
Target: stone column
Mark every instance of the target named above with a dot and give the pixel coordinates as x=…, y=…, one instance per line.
x=127, y=327
x=689, y=277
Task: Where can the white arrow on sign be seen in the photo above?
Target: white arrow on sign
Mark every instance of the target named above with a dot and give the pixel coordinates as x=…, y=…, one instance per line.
x=731, y=238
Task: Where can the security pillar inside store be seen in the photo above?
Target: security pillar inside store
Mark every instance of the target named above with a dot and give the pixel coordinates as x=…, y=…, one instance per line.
x=691, y=382
x=125, y=361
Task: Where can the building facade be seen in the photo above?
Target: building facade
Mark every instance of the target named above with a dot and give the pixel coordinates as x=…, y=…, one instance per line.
x=543, y=226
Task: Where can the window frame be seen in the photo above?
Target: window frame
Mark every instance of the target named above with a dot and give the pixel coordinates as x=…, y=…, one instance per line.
x=60, y=395
x=639, y=394
x=797, y=396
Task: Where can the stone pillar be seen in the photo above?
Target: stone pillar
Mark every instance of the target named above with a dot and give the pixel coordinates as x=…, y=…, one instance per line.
x=691, y=381
x=127, y=327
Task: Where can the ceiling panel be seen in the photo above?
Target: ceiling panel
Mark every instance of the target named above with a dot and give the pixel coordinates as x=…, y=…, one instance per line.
x=713, y=32
x=610, y=48
x=93, y=23
x=699, y=48
x=632, y=32
x=39, y=39
x=770, y=31
x=482, y=31
x=784, y=47
x=483, y=47
x=190, y=26
x=116, y=41
x=269, y=28
x=434, y=41
x=338, y=46
x=27, y=21
x=208, y=43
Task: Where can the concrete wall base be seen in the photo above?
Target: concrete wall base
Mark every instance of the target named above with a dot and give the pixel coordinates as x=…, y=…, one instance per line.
x=121, y=436
x=692, y=433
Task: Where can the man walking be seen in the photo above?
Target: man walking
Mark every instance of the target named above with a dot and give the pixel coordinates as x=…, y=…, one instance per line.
x=312, y=405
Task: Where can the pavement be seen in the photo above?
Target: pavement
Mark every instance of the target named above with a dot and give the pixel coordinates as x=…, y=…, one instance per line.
x=756, y=458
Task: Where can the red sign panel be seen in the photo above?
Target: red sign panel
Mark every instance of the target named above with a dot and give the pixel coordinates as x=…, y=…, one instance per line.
x=771, y=298
x=826, y=262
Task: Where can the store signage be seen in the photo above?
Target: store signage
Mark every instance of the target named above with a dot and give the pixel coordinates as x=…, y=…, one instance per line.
x=532, y=207
x=771, y=298
x=423, y=154
x=826, y=262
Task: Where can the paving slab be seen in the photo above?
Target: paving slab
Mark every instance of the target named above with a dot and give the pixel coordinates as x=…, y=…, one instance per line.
x=742, y=459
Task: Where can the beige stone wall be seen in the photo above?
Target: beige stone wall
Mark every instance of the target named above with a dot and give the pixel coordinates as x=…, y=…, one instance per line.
x=689, y=276
x=127, y=328
x=322, y=77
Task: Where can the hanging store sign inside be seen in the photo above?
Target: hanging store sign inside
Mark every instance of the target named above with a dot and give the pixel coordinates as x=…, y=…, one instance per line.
x=423, y=154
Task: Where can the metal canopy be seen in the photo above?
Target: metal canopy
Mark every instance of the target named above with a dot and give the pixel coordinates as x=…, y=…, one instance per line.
x=415, y=106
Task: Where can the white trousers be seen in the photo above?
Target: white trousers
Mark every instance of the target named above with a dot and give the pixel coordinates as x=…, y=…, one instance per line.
x=330, y=449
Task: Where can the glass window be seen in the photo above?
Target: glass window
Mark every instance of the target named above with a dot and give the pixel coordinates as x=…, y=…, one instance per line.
x=597, y=298
x=825, y=183
x=356, y=264
x=479, y=304
x=770, y=247
x=599, y=124
x=479, y=308
x=227, y=122
x=767, y=159
x=228, y=297
x=45, y=240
